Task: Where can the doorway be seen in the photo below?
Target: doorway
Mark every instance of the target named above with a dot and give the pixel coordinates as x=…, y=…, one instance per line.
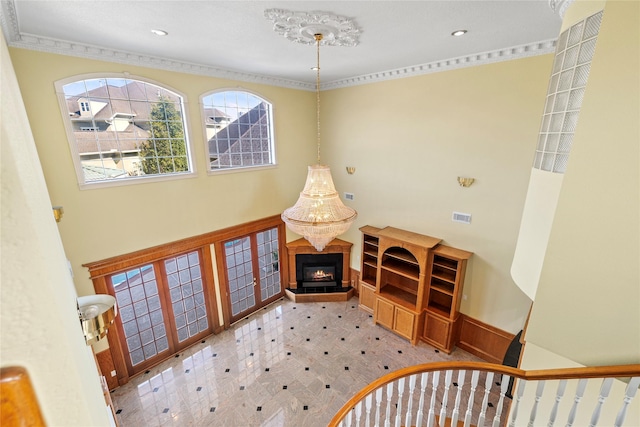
x=252, y=271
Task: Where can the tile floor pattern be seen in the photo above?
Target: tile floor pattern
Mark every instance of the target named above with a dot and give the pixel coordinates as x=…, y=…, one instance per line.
x=289, y=364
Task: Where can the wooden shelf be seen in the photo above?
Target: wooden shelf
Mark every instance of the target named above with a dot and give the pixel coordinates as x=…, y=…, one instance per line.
x=401, y=255
x=402, y=258
x=443, y=288
x=399, y=297
x=443, y=296
x=439, y=309
x=368, y=268
x=401, y=268
x=445, y=262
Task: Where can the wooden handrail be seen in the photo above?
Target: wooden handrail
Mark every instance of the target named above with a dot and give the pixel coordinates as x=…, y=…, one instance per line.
x=533, y=375
x=18, y=403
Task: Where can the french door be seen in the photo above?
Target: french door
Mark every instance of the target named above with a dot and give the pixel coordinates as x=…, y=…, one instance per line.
x=252, y=271
x=163, y=308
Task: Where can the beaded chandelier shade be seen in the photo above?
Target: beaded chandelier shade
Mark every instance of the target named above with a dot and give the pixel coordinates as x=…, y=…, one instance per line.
x=319, y=215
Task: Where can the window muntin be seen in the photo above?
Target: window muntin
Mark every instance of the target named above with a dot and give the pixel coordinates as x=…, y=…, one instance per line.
x=125, y=129
x=239, y=130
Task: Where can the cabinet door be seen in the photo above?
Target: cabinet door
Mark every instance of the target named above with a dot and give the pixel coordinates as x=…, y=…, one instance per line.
x=437, y=332
x=367, y=297
x=403, y=322
x=383, y=313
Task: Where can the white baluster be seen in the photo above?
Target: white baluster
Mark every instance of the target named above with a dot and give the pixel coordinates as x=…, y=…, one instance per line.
x=348, y=420
x=378, y=402
x=456, y=407
x=387, y=416
x=629, y=394
x=474, y=384
x=582, y=384
x=485, y=401
x=412, y=387
x=447, y=385
x=520, y=392
x=434, y=388
x=358, y=412
x=399, y=406
x=534, y=409
x=504, y=386
x=367, y=405
x=604, y=393
x=562, y=385
x=423, y=386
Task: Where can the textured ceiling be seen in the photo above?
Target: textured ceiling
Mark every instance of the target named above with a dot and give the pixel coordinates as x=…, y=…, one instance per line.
x=234, y=38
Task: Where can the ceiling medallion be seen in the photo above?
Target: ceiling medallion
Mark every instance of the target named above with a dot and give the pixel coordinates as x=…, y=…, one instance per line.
x=301, y=27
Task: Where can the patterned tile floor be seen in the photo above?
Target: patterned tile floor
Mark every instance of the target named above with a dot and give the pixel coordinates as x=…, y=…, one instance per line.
x=289, y=364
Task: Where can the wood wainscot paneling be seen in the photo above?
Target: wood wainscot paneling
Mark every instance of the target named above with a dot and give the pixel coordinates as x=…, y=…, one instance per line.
x=483, y=340
x=354, y=279
x=106, y=366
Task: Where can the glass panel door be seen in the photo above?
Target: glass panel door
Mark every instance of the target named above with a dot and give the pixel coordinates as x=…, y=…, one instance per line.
x=184, y=279
x=141, y=315
x=269, y=260
x=252, y=272
x=240, y=276
x=163, y=309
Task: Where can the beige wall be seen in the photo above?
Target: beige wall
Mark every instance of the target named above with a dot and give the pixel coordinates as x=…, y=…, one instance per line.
x=410, y=139
x=587, y=306
x=100, y=223
x=40, y=328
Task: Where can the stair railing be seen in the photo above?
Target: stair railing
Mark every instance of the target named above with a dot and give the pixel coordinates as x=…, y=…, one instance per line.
x=478, y=394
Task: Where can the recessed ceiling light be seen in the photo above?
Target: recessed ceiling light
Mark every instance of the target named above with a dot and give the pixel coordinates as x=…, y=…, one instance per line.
x=159, y=32
x=459, y=33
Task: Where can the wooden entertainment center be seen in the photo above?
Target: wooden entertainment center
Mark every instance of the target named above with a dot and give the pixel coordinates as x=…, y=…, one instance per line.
x=412, y=284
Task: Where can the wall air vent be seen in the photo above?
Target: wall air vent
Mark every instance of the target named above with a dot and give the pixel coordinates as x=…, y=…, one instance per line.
x=461, y=217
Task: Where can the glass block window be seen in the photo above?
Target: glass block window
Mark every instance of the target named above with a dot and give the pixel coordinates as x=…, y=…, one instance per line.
x=124, y=130
x=141, y=313
x=184, y=279
x=574, y=52
x=239, y=129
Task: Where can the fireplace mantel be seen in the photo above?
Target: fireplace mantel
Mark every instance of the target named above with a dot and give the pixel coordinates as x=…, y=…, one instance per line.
x=302, y=246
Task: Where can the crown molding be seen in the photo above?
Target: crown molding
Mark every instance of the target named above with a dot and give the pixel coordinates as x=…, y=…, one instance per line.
x=15, y=39
x=507, y=54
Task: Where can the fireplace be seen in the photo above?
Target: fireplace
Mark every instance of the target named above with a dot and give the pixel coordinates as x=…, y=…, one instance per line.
x=318, y=276
x=317, y=271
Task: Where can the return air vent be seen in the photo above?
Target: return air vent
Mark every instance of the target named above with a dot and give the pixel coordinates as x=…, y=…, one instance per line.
x=461, y=217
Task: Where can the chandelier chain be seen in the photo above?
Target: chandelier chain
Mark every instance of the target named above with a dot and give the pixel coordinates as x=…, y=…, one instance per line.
x=318, y=37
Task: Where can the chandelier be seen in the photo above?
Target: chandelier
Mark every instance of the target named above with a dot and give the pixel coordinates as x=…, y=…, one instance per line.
x=319, y=215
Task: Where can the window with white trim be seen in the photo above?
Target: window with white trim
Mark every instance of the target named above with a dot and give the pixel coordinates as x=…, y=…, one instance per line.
x=124, y=129
x=239, y=130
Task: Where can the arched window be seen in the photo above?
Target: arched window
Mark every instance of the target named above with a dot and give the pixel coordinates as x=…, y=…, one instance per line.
x=124, y=130
x=239, y=130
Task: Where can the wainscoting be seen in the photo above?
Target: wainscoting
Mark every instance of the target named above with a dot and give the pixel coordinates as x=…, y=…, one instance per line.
x=485, y=341
x=478, y=338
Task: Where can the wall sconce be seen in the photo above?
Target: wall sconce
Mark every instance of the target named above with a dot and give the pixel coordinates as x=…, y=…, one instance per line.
x=57, y=212
x=465, y=182
x=96, y=313
x=351, y=170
